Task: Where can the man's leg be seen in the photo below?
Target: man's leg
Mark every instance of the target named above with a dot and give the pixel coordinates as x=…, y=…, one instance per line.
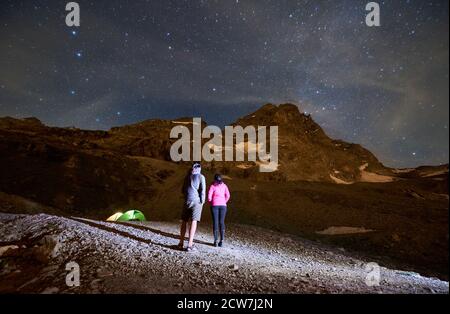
x=183, y=232
x=192, y=231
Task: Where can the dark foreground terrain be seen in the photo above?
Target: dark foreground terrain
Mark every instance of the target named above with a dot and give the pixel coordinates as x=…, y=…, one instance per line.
x=324, y=190
x=143, y=258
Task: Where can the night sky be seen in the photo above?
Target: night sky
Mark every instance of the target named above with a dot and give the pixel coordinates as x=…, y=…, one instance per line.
x=385, y=88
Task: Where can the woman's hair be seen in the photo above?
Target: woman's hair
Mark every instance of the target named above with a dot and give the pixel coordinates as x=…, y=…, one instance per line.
x=218, y=178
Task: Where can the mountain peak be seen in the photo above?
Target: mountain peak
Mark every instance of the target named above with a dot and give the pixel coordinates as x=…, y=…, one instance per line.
x=287, y=116
x=269, y=114
x=288, y=107
x=272, y=109
x=24, y=123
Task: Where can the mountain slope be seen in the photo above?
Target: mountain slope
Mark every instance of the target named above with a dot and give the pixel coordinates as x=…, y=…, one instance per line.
x=307, y=153
x=96, y=173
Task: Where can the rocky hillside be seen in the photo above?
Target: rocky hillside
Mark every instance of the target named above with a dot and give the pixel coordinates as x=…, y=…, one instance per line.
x=143, y=258
x=321, y=184
x=305, y=151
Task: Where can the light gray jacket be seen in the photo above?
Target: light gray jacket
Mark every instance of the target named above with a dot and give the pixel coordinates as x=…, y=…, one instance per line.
x=195, y=188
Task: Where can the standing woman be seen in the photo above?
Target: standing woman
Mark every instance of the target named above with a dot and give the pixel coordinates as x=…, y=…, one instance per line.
x=218, y=197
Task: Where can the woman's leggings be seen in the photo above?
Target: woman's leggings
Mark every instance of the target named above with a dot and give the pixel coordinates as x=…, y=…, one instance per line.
x=218, y=215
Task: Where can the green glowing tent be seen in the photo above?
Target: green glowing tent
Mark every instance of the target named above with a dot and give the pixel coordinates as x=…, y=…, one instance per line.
x=132, y=215
x=114, y=217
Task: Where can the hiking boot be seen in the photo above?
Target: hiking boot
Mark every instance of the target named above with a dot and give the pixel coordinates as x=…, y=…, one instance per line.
x=220, y=244
x=191, y=249
x=216, y=244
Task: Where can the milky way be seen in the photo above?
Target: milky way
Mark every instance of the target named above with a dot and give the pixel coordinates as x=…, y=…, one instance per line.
x=383, y=87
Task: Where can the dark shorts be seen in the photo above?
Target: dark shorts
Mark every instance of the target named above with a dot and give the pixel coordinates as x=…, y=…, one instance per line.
x=192, y=211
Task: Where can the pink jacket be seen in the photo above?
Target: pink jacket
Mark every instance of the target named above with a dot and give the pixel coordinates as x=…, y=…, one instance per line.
x=218, y=194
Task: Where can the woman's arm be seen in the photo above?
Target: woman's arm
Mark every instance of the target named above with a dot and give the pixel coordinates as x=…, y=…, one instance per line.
x=227, y=194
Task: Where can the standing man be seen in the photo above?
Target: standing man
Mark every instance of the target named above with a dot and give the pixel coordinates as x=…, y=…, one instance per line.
x=194, y=190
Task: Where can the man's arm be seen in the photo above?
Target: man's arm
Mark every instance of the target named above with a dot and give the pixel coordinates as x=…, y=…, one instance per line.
x=211, y=193
x=203, y=189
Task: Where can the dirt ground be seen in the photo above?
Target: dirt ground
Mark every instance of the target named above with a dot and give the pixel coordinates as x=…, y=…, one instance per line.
x=143, y=258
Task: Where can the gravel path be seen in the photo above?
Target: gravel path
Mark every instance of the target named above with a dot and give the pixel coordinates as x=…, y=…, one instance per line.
x=143, y=258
